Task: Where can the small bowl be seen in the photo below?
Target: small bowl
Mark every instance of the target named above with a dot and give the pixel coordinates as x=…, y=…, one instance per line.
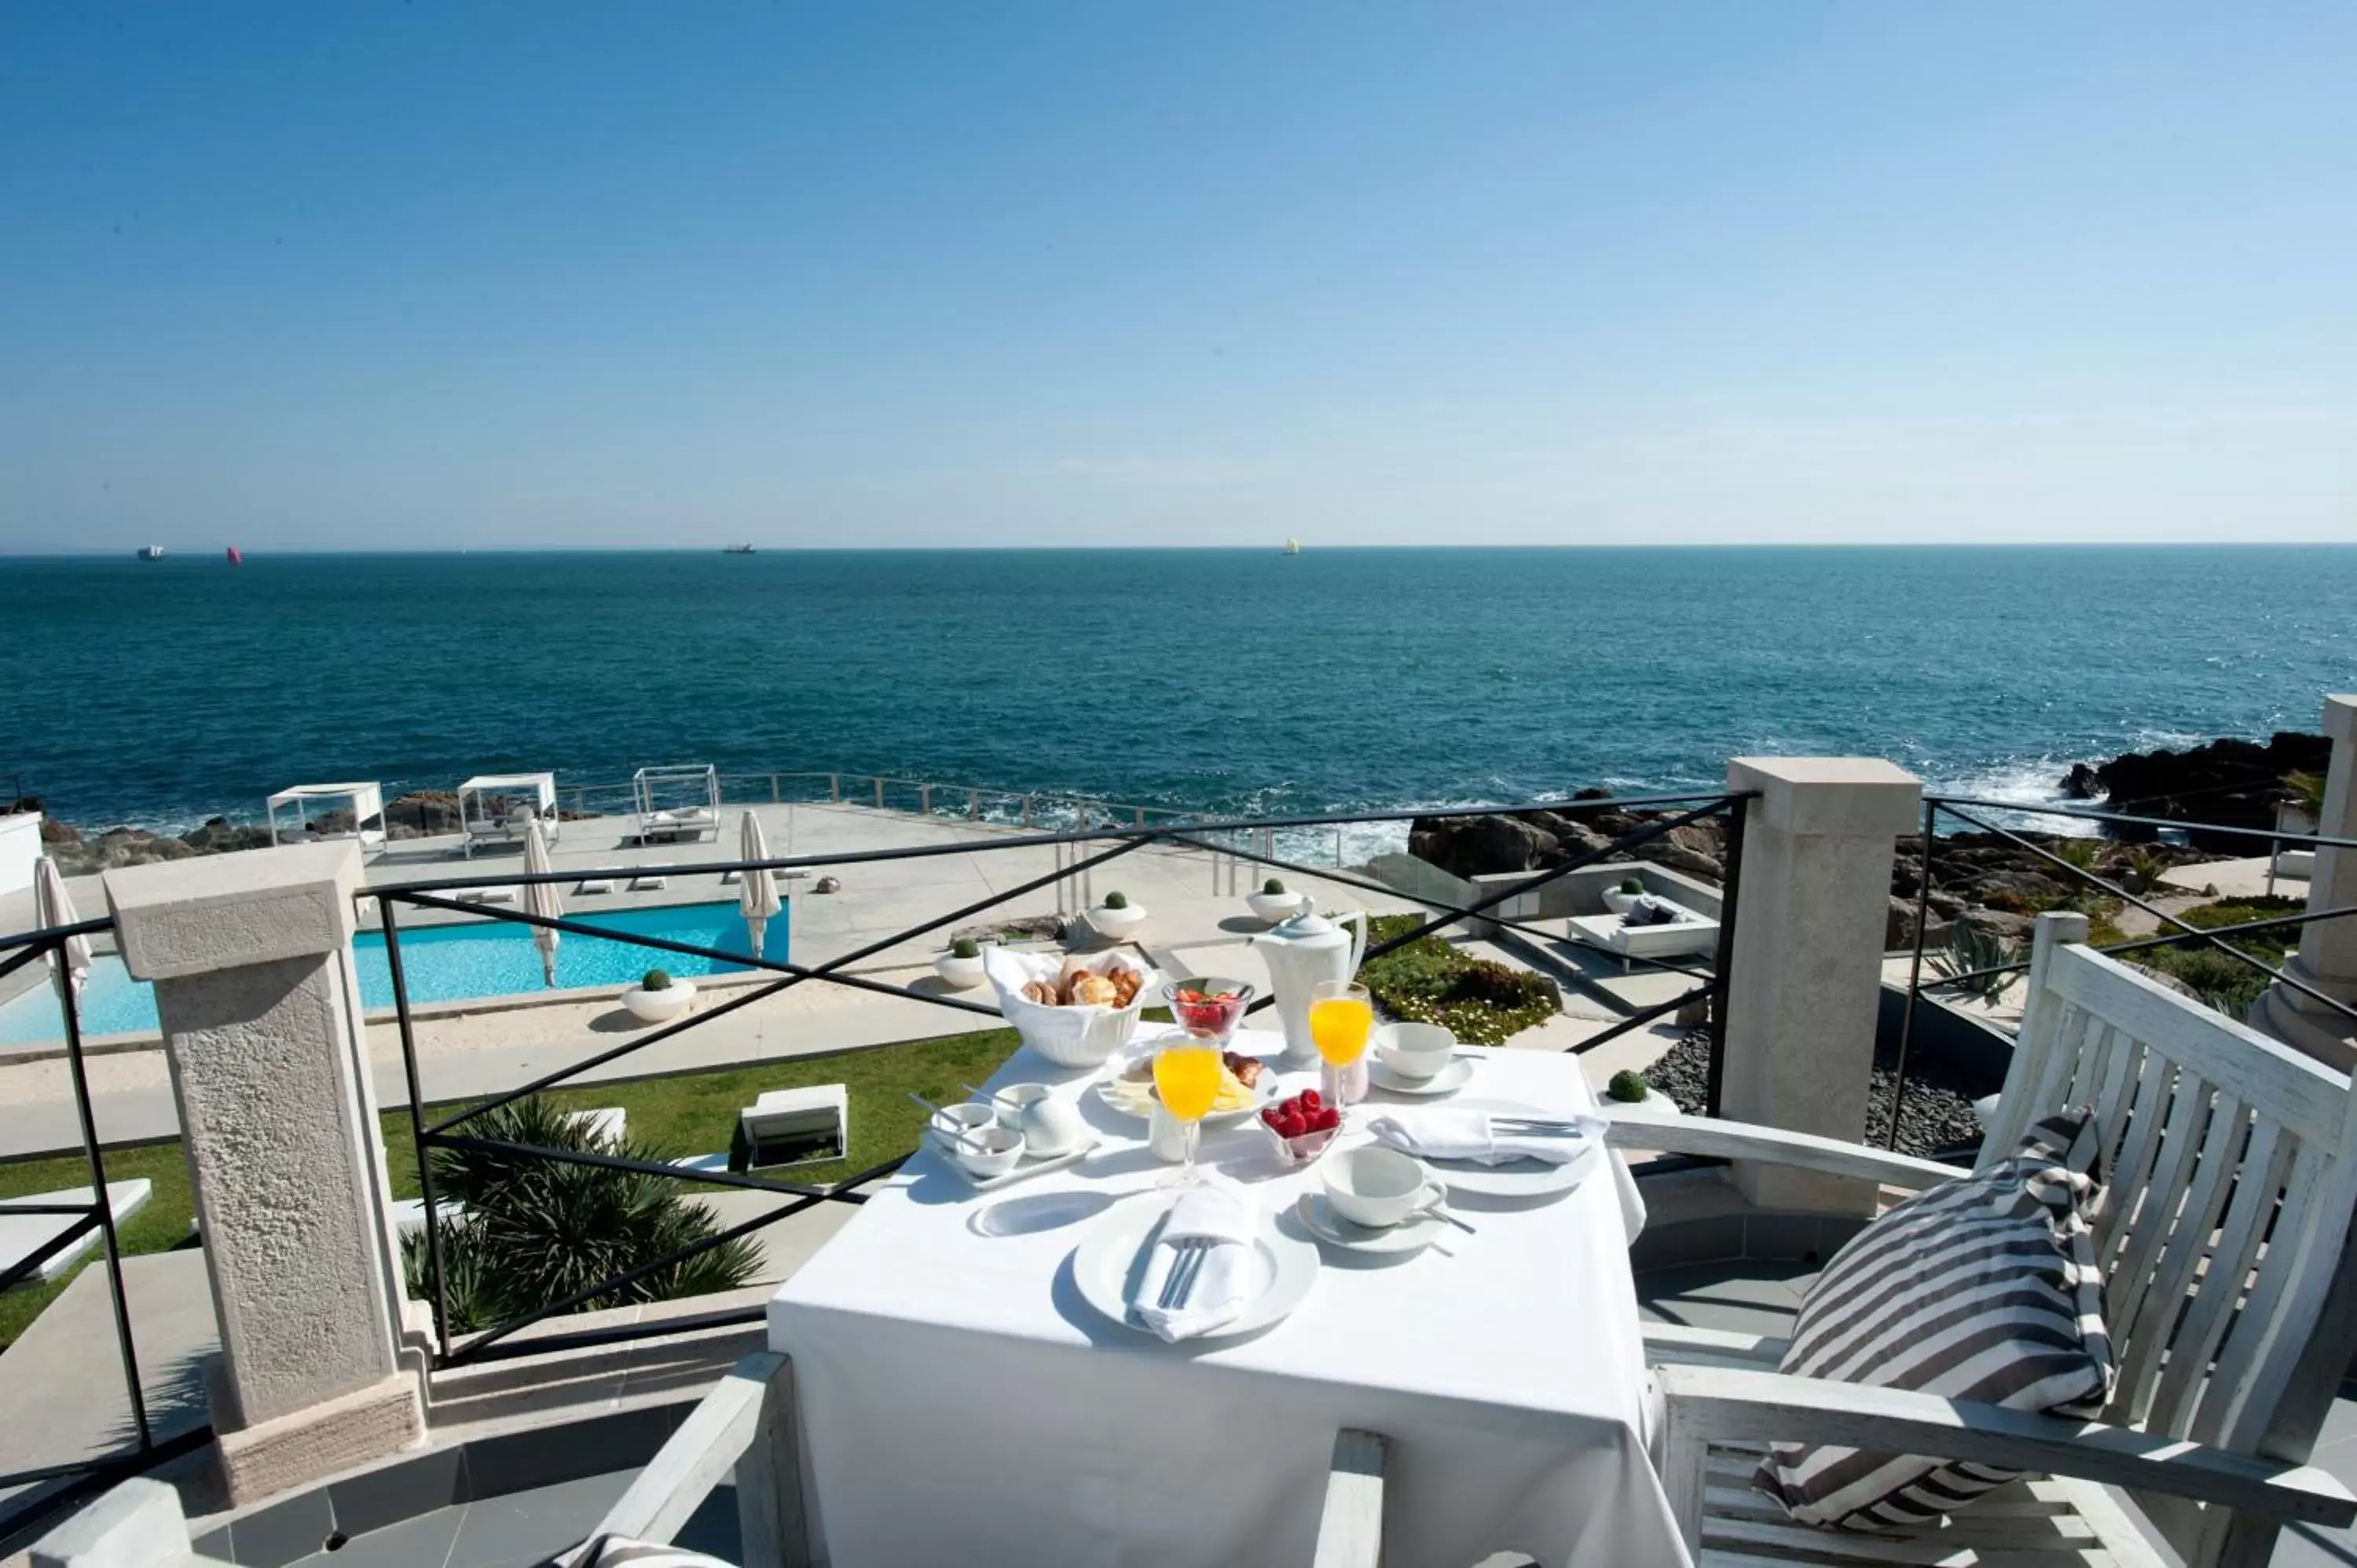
x=1294, y=1153
x=971, y=1116
x=1011, y=1102
x=1001, y=1152
x=1214, y=1021
x=1414, y=1051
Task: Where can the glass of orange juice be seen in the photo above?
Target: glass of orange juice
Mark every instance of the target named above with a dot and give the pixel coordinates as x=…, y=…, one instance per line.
x=1187, y=1080
x=1341, y=1017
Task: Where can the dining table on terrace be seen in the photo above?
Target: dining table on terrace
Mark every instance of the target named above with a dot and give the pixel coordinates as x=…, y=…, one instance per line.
x=961, y=1399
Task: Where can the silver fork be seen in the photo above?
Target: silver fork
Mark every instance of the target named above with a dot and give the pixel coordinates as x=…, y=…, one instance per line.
x=1180, y=1283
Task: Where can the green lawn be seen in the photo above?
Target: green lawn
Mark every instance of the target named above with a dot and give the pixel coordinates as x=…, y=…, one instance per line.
x=690, y=1114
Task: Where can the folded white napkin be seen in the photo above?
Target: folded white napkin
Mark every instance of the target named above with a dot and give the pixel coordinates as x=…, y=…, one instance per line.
x=1229, y=1222
x=1438, y=1133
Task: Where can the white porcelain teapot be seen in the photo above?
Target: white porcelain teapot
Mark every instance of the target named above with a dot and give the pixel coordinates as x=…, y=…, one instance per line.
x=1303, y=953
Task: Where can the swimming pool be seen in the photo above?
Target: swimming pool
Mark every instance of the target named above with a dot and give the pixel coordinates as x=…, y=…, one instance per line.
x=441, y=963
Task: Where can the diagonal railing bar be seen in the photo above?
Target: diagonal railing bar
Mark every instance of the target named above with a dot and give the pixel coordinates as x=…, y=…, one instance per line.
x=1644, y=1016
x=691, y=949
x=643, y=1168
x=31, y=1262
x=840, y=1193
x=2240, y=929
x=103, y=1201
x=1950, y=802
x=1646, y=834
x=1034, y=841
x=1367, y=885
x=2332, y=1004
x=826, y=971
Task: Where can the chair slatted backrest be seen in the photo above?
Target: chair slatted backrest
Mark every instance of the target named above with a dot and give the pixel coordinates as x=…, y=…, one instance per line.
x=2232, y=1173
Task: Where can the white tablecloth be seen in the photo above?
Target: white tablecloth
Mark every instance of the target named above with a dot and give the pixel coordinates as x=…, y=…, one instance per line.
x=962, y=1404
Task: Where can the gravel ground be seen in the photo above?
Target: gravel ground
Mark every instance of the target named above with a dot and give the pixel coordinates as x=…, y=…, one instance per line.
x=1938, y=1112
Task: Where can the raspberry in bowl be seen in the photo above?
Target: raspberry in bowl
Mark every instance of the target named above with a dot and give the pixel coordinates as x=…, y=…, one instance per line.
x=1208, y=1007
x=1301, y=1127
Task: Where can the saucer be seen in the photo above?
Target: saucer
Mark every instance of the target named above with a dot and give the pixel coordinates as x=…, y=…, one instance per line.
x=1410, y=1236
x=1447, y=1081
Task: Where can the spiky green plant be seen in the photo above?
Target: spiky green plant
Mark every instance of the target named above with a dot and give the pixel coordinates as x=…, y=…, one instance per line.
x=537, y=1232
x=1969, y=950
x=2080, y=855
x=2143, y=871
x=2308, y=789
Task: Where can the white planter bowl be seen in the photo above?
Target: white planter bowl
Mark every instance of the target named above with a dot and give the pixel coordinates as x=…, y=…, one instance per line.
x=960, y=974
x=660, y=1006
x=1656, y=1106
x=1620, y=903
x=1116, y=924
x=1275, y=906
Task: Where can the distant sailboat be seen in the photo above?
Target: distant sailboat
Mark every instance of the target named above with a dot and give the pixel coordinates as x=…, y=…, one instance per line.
x=1292, y=547
x=236, y=556
x=151, y=553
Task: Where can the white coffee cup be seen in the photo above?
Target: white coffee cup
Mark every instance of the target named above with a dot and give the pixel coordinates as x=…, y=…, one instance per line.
x=1378, y=1187
x=1415, y=1050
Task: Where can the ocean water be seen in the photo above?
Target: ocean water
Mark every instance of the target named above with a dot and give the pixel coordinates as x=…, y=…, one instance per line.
x=162, y=693
x=440, y=963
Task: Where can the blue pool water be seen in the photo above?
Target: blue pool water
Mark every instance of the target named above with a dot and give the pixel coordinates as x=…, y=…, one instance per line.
x=442, y=963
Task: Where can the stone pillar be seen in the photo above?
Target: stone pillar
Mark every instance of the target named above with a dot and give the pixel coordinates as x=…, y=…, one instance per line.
x=251, y=956
x=1813, y=907
x=2328, y=949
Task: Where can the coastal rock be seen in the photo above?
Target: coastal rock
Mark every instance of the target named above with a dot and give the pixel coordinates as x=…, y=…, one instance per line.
x=55, y=832
x=1476, y=846
x=2233, y=783
x=1899, y=928
x=219, y=836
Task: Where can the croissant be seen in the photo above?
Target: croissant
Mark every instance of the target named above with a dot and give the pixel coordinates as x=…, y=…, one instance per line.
x=1094, y=991
x=1125, y=982
x=1039, y=990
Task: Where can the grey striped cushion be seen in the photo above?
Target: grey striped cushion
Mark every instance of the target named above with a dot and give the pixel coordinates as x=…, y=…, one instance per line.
x=1982, y=1288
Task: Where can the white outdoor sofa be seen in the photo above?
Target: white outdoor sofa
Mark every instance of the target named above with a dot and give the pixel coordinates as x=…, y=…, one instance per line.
x=1690, y=933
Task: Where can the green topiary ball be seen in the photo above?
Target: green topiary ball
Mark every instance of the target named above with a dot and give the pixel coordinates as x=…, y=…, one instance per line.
x=1628, y=1087
x=1273, y=887
x=655, y=979
x=1116, y=900
x=1632, y=884
x=966, y=947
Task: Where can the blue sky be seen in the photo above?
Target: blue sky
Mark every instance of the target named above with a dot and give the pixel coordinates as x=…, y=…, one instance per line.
x=403, y=275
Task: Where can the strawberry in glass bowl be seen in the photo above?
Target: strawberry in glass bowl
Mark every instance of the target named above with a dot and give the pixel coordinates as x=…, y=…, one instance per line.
x=1207, y=1007
x=1301, y=1127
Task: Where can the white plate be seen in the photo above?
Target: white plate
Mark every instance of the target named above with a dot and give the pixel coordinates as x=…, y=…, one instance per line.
x=1329, y=1227
x=1109, y=1263
x=1447, y=1081
x=1523, y=1178
x=1265, y=1093
x=1026, y=1167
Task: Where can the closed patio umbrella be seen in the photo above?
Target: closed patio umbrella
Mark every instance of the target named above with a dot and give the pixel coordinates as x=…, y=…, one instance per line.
x=52, y=907
x=757, y=891
x=540, y=897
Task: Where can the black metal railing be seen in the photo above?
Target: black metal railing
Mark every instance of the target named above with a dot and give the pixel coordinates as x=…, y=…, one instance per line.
x=1978, y=815
x=43, y=1490
x=1079, y=851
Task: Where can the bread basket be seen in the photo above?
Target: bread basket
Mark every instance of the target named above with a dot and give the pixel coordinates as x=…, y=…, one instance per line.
x=1068, y=1036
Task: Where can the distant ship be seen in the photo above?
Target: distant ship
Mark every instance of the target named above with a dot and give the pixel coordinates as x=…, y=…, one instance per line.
x=151, y=553
x=736, y=550
x=1292, y=547
x=236, y=556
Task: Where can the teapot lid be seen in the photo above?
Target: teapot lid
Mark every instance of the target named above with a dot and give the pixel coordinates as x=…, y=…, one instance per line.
x=1305, y=921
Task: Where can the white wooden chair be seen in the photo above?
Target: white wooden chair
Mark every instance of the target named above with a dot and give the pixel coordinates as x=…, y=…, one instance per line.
x=2231, y=1164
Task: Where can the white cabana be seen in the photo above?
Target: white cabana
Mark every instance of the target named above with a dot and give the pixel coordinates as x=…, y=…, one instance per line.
x=494, y=807
x=677, y=803
x=757, y=891
x=541, y=897
x=290, y=812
